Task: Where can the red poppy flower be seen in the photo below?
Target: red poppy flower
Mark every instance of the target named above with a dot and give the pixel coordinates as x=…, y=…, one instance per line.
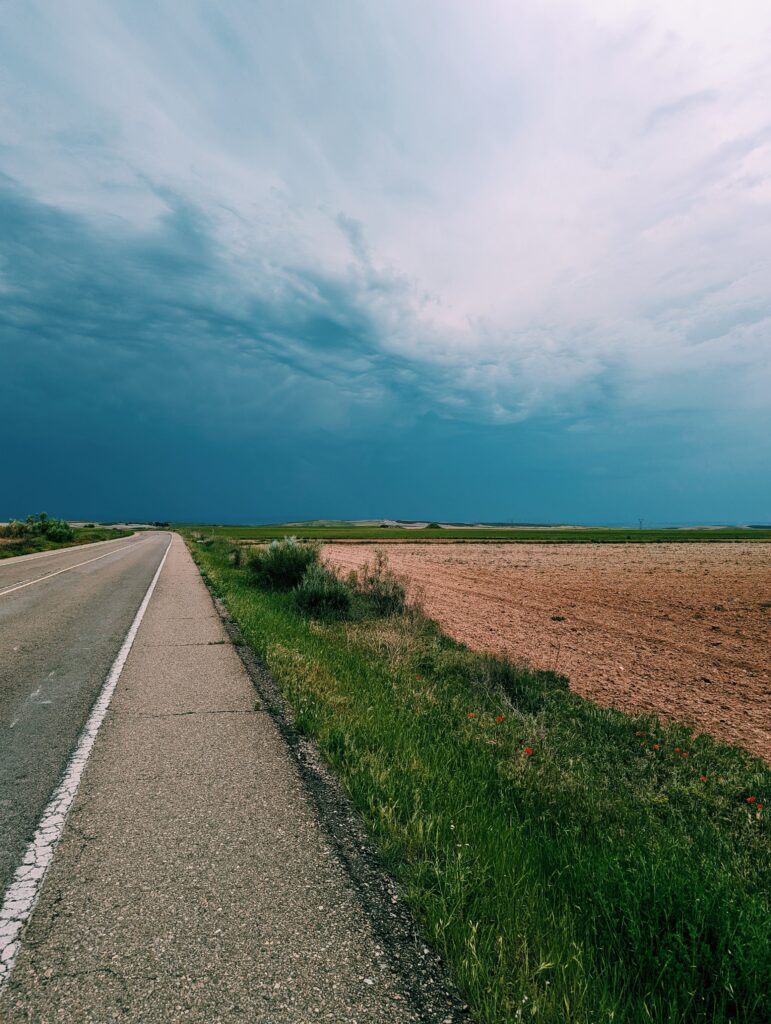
x=499, y=718
x=529, y=751
x=677, y=750
x=685, y=754
x=751, y=799
x=703, y=778
x=471, y=714
x=656, y=746
x=760, y=807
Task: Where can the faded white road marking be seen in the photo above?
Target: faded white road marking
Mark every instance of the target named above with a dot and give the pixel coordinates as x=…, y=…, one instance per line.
x=48, y=575
x=22, y=893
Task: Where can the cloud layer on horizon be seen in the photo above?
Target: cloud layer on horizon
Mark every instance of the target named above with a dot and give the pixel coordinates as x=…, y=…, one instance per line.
x=333, y=218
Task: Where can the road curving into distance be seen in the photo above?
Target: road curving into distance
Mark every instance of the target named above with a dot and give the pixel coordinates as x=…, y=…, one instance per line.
x=63, y=617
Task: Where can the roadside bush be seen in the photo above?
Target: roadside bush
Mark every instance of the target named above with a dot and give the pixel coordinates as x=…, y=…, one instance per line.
x=373, y=592
x=323, y=594
x=432, y=526
x=379, y=591
x=40, y=525
x=58, y=530
x=236, y=555
x=282, y=565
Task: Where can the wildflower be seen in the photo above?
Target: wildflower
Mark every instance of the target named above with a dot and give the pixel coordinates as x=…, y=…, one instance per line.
x=639, y=732
x=685, y=754
x=529, y=751
x=471, y=714
x=499, y=718
x=656, y=746
x=760, y=807
x=677, y=750
x=703, y=778
x=750, y=799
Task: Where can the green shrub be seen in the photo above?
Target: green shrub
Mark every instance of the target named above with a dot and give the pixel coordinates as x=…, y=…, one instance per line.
x=432, y=526
x=323, y=594
x=282, y=565
x=58, y=530
x=371, y=593
x=379, y=592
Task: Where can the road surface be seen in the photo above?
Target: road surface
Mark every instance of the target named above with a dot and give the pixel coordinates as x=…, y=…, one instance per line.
x=63, y=617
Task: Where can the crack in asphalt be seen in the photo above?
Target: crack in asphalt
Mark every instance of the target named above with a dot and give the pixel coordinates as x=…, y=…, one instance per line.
x=183, y=714
x=191, y=643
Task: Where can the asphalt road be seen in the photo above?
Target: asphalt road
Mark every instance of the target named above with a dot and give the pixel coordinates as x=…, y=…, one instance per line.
x=63, y=617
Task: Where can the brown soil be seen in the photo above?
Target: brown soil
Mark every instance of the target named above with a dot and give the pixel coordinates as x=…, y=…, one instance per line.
x=679, y=630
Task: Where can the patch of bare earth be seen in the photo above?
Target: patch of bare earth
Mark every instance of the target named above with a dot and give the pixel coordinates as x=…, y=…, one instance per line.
x=679, y=630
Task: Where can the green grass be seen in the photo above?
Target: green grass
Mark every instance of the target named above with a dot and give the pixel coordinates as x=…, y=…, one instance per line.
x=536, y=536
x=596, y=879
x=83, y=535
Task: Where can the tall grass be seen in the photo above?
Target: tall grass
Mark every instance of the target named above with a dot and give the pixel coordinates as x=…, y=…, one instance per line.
x=572, y=863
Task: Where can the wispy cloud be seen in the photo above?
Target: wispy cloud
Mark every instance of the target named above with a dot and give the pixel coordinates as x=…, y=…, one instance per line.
x=337, y=217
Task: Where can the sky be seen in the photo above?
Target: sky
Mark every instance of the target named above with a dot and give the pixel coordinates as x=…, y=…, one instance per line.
x=500, y=261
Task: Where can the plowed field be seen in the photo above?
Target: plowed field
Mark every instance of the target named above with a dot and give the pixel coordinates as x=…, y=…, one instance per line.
x=680, y=630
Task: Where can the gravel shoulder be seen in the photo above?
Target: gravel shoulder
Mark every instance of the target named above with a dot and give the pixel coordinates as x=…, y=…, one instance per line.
x=195, y=881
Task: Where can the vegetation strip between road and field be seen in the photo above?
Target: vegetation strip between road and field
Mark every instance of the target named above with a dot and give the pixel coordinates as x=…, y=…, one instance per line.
x=569, y=862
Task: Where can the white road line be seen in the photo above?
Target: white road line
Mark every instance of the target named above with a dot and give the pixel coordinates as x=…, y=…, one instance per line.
x=22, y=894
x=48, y=575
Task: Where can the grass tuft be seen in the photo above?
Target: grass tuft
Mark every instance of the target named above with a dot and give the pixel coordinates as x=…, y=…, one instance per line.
x=322, y=594
x=379, y=592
